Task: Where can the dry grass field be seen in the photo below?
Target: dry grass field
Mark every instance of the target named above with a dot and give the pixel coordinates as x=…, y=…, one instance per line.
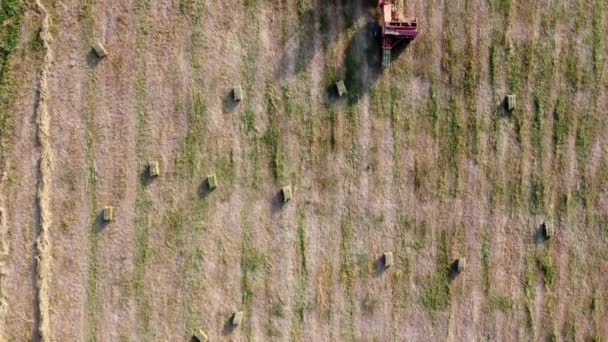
x=419, y=159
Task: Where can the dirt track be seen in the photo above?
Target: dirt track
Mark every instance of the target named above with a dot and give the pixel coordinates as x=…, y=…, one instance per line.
x=419, y=160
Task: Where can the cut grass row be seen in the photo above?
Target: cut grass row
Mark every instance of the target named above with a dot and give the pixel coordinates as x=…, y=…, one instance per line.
x=93, y=304
x=301, y=304
x=143, y=203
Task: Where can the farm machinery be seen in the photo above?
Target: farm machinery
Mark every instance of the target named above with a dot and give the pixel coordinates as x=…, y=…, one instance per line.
x=394, y=28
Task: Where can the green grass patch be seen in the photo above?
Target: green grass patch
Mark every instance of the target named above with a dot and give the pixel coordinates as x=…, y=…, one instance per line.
x=272, y=139
x=302, y=243
x=453, y=144
x=436, y=293
x=538, y=128
x=248, y=121
x=401, y=278
x=502, y=303
x=485, y=261
x=331, y=118
x=537, y=194
x=347, y=264
x=470, y=75
x=303, y=7
x=354, y=65
x=433, y=107
x=530, y=292
x=252, y=262
x=502, y=7
x=562, y=122
x=301, y=305
x=278, y=310
x=189, y=161
x=142, y=255
x=272, y=136
x=11, y=12
x=548, y=268
x=583, y=142
x=515, y=80
x=494, y=62
x=598, y=38
x=475, y=134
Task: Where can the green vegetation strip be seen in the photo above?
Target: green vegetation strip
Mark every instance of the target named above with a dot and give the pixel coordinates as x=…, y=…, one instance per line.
x=11, y=12
x=436, y=292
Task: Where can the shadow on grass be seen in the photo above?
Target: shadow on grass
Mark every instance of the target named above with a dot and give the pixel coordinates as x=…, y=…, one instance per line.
x=277, y=202
x=379, y=267
x=100, y=223
x=453, y=270
x=92, y=59
x=228, y=328
x=204, y=190
x=144, y=177
x=228, y=103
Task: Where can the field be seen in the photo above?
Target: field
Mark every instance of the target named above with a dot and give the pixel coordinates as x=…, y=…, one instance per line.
x=420, y=159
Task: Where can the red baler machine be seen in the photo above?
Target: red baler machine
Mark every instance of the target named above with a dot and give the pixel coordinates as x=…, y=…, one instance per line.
x=395, y=29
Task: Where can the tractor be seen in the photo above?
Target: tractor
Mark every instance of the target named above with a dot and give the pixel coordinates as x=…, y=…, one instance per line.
x=394, y=28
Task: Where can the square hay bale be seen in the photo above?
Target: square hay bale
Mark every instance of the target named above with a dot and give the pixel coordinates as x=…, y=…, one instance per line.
x=109, y=213
x=460, y=265
x=237, y=318
x=99, y=50
x=212, y=181
x=341, y=88
x=511, y=102
x=237, y=93
x=154, y=168
x=388, y=259
x=546, y=230
x=286, y=191
x=201, y=336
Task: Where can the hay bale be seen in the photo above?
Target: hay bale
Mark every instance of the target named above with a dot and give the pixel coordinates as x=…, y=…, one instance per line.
x=546, y=230
x=237, y=318
x=460, y=265
x=212, y=181
x=237, y=93
x=201, y=336
x=511, y=102
x=154, y=168
x=341, y=88
x=109, y=213
x=99, y=50
x=286, y=191
x=388, y=259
